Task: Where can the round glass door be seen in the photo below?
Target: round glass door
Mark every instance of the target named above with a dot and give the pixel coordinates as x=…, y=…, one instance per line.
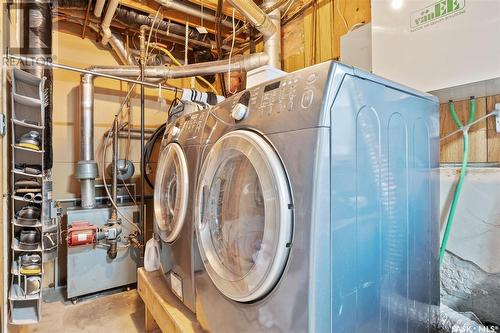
x=171, y=192
x=243, y=216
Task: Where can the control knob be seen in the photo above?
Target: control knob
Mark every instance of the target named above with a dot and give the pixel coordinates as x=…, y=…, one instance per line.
x=174, y=132
x=240, y=110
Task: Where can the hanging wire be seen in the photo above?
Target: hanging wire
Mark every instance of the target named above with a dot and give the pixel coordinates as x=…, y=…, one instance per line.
x=230, y=55
x=287, y=8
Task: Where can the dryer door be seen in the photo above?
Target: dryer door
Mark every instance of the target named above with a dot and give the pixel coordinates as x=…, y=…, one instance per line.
x=243, y=216
x=171, y=192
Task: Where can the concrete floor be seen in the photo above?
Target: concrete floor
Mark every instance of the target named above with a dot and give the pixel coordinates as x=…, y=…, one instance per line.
x=121, y=312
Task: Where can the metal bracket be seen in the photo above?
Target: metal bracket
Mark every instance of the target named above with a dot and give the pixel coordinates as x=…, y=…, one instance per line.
x=497, y=117
x=3, y=125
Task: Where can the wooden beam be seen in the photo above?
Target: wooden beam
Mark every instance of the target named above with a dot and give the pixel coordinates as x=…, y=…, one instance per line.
x=227, y=9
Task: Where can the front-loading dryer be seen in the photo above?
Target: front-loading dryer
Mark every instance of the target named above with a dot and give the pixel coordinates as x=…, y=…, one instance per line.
x=316, y=207
x=175, y=183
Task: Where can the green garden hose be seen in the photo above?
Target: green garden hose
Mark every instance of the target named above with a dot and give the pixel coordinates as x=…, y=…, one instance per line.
x=458, y=189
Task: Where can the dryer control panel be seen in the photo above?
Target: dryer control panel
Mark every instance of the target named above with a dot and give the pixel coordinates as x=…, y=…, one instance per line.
x=288, y=103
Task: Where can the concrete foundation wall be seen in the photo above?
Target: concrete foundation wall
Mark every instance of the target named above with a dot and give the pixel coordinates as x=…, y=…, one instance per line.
x=470, y=274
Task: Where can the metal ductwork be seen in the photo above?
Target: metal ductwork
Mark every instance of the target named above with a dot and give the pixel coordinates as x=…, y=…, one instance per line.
x=272, y=43
x=191, y=11
x=238, y=64
x=257, y=17
x=115, y=42
x=87, y=170
x=37, y=42
x=268, y=25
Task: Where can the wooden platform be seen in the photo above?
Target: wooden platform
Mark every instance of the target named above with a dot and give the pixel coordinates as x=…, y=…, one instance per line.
x=163, y=309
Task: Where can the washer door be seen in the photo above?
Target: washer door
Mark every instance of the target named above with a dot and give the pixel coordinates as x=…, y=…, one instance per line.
x=243, y=216
x=171, y=192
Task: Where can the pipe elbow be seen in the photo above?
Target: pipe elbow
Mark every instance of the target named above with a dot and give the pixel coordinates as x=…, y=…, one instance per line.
x=106, y=35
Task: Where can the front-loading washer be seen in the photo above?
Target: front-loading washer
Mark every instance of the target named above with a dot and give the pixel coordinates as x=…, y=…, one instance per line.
x=316, y=207
x=175, y=183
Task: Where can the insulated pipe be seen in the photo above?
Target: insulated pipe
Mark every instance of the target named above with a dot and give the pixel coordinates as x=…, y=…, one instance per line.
x=116, y=43
x=272, y=43
x=120, y=50
x=172, y=4
x=130, y=17
x=243, y=63
x=257, y=17
x=106, y=23
x=99, y=5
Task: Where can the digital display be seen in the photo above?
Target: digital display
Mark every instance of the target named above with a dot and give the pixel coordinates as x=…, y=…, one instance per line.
x=272, y=86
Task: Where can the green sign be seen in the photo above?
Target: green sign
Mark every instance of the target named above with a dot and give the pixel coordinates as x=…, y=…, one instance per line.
x=435, y=12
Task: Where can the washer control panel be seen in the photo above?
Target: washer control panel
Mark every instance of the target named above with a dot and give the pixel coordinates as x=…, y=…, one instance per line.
x=296, y=96
x=186, y=129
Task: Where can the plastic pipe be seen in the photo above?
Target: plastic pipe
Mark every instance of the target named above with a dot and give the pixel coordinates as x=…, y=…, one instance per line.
x=463, y=171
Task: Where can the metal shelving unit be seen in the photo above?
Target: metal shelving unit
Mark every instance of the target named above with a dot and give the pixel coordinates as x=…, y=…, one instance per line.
x=29, y=100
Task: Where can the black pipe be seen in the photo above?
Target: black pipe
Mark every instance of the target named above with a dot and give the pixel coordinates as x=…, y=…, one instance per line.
x=143, y=64
x=134, y=19
x=37, y=41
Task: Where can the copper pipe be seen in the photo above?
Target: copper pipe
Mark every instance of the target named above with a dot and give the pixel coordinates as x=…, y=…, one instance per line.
x=84, y=29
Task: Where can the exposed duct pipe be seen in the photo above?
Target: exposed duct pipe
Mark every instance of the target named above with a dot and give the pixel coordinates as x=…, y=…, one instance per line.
x=257, y=17
x=243, y=63
x=175, y=5
x=269, y=26
x=106, y=23
x=99, y=6
x=116, y=43
x=272, y=43
x=37, y=42
x=87, y=167
x=87, y=170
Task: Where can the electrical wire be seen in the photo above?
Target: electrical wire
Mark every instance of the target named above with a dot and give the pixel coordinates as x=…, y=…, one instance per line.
x=106, y=144
x=287, y=8
x=218, y=32
x=230, y=55
x=151, y=29
x=163, y=48
x=128, y=191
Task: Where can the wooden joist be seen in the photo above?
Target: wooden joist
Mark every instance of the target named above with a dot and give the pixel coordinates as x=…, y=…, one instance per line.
x=227, y=9
x=163, y=309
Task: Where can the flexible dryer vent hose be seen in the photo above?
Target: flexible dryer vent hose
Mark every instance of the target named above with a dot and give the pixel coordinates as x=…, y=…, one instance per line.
x=463, y=171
